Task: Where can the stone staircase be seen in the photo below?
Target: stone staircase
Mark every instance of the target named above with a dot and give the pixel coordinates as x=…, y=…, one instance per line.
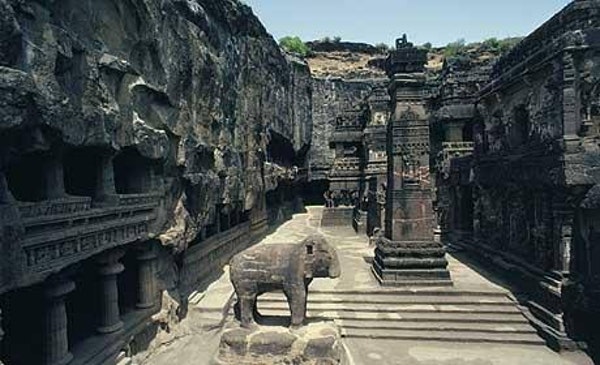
x=428, y=314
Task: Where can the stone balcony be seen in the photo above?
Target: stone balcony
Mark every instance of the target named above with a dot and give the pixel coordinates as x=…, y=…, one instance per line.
x=346, y=166
x=456, y=149
x=61, y=232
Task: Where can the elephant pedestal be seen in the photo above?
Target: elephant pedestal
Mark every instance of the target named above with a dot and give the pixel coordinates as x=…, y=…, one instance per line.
x=316, y=343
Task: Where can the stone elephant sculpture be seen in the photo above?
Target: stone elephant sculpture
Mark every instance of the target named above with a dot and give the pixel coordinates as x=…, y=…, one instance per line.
x=288, y=267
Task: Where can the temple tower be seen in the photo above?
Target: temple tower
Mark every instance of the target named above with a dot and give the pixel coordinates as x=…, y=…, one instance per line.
x=407, y=254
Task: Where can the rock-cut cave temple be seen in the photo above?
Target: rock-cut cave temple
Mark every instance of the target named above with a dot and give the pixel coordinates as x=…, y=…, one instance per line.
x=144, y=143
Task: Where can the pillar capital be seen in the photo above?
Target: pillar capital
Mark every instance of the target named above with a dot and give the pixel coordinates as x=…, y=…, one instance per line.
x=111, y=257
x=58, y=288
x=146, y=252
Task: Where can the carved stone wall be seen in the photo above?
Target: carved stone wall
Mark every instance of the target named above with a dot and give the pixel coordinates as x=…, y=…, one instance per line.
x=129, y=122
x=535, y=154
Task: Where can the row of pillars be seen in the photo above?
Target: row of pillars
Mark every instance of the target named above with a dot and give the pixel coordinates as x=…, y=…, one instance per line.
x=56, y=348
x=105, y=188
x=54, y=179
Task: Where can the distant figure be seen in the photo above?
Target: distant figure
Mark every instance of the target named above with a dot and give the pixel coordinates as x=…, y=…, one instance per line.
x=345, y=201
x=328, y=199
x=355, y=199
x=335, y=196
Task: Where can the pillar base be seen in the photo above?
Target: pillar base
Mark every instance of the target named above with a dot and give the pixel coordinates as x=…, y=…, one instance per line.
x=110, y=329
x=144, y=305
x=64, y=361
x=419, y=263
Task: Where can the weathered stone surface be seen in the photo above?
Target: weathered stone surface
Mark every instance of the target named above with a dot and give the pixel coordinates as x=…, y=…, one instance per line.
x=236, y=341
x=271, y=343
x=316, y=344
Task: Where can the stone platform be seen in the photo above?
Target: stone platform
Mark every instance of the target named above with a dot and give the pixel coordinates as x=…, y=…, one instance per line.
x=410, y=264
x=315, y=344
x=337, y=217
x=477, y=321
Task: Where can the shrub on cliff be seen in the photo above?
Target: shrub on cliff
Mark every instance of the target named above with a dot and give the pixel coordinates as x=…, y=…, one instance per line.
x=454, y=48
x=294, y=45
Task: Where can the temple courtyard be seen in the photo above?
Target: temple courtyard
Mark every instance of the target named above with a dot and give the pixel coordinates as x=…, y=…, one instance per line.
x=477, y=321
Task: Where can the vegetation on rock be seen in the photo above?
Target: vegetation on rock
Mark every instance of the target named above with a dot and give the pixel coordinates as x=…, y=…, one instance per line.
x=294, y=44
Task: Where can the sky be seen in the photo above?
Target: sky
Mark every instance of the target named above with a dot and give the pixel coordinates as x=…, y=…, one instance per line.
x=375, y=21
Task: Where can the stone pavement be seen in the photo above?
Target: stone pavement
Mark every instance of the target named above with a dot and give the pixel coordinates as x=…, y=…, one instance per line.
x=354, y=252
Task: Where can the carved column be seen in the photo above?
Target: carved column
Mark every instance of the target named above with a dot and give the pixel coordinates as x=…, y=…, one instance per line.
x=105, y=180
x=146, y=257
x=408, y=255
x=56, y=340
x=1, y=334
x=5, y=194
x=218, y=209
x=109, y=268
x=565, y=219
x=54, y=173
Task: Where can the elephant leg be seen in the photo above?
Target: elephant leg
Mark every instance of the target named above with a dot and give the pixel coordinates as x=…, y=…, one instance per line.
x=296, y=296
x=247, y=304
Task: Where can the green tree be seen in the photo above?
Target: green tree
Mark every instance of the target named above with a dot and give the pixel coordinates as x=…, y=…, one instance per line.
x=454, y=48
x=491, y=43
x=294, y=44
x=427, y=46
x=337, y=39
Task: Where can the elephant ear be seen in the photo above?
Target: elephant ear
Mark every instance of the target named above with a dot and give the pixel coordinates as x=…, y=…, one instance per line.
x=309, y=258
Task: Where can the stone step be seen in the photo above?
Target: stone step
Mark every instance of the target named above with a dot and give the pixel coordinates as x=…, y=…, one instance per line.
x=414, y=291
x=447, y=336
x=406, y=316
x=392, y=325
x=397, y=308
x=394, y=299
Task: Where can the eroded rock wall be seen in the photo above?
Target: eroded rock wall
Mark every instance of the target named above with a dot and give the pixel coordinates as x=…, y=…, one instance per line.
x=196, y=88
x=194, y=85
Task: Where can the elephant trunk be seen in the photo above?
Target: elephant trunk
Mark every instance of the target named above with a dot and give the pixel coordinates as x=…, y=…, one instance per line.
x=335, y=269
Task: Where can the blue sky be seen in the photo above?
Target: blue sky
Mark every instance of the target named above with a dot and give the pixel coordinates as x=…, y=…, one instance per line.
x=375, y=21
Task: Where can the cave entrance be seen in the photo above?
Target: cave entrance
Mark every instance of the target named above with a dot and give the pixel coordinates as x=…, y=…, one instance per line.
x=280, y=150
x=22, y=322
x=312, y=192
x=26, y=178
x=82, y=170
x=133, y=172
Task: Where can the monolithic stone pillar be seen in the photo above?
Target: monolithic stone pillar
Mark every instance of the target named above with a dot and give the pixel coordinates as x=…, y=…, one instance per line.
x=105, y=183
x=109, y=268
x=146, y=257
x=53, y=171
x=408, y=255
x=56, y=340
